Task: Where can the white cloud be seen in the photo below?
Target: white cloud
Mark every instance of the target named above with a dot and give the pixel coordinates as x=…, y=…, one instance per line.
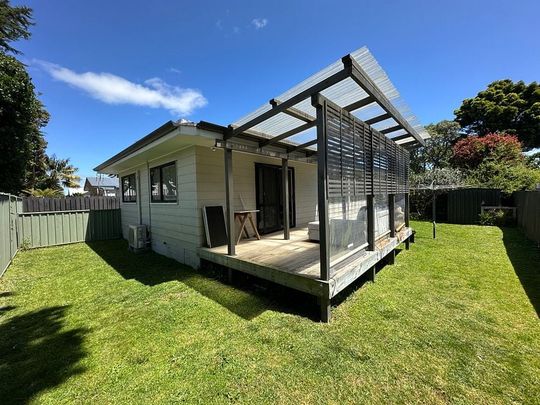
x=259, y=23
x=174, y=70
x=112, y=89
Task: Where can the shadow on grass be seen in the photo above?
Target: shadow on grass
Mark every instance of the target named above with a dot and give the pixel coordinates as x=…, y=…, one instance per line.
x=247, y=297
x=36, y=354
x=525, y=258
x=362, y=280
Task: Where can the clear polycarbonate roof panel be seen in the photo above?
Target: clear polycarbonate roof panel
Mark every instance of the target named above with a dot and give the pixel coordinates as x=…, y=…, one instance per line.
x=344, y=93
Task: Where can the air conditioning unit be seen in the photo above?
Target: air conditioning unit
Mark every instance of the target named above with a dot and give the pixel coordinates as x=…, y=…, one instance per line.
x=138, y=238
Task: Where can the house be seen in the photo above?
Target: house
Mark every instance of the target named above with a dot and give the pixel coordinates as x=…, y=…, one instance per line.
x=324, y=166
x=101, y=186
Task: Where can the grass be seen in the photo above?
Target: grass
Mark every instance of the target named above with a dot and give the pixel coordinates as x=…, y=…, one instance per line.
x=454, y=320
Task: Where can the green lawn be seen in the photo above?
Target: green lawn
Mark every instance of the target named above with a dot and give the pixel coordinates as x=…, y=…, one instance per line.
x=454, y=320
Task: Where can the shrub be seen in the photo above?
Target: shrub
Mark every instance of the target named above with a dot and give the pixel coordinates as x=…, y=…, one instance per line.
x=496, y=217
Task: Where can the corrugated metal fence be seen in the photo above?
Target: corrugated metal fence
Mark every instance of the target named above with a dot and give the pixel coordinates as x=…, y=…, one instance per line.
x=20, y=229
x=9, y=207
x=40, y=204
x=464, y=205
x=528, y=213
x=39, y=229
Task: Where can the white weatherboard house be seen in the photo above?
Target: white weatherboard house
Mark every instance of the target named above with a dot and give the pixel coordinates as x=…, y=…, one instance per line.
x=342, y=136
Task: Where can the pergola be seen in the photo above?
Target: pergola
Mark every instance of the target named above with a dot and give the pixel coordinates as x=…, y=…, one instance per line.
x=351, y=121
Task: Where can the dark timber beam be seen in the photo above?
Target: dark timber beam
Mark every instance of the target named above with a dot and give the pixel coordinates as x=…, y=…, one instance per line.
x=287, y=134
x=391, y=129
x=378, y=118
x=231, y=239
x=294, y=112
x=401, y=137
x=303, y=145
x=316, y=88
x=359, y=104
x=364, y=81
x=285, y=193
x=351, y=107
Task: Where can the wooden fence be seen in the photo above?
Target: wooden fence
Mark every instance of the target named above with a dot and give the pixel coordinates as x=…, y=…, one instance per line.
x=528, y=213
x=44, y=204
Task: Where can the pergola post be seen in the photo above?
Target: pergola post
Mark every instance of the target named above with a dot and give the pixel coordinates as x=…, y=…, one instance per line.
x=392, y=214
x=407, y=210
x=408, y=241
x=231, y=247
x=322, y=194
x=370, y=222
x=286, y=197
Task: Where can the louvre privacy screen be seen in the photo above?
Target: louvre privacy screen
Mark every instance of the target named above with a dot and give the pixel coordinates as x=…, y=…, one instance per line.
x=360, y=162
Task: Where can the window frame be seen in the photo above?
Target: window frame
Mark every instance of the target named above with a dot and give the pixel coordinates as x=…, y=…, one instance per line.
x=161, y=200
x=124, y=200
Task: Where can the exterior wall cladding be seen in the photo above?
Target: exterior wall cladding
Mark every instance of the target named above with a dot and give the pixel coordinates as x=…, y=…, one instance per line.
x=177, y=228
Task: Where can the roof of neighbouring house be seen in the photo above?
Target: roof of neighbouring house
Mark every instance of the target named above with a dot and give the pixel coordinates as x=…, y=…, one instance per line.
x=104, y=182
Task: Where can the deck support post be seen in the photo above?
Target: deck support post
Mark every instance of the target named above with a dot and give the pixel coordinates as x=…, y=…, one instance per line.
x=392, y=214
x=370, y=222
x=371, y=274
x=286, y=197
x=391, y=257
x=326, y=309
x=407, y=244
x=229, y=201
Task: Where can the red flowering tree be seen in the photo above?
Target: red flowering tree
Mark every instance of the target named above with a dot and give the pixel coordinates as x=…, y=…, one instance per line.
x=472, y=151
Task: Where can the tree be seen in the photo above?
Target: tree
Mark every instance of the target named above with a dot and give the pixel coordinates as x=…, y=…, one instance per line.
x=60, y=173
x=470, y=152
x=46, y=192
x=437, y=152
x=505, y=177
x=507, y=107
x=14, y=25
x=21, y=116
x=495, y=161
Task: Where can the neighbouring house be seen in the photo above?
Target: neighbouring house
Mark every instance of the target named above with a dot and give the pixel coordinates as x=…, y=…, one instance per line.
x=323, y=168
x=103, y=186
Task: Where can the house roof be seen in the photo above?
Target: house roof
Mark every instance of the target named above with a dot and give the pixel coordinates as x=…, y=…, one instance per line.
x=104, y=182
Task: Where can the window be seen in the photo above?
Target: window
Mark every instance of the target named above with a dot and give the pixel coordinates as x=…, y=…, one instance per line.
x=163, y=180
x=129, y=188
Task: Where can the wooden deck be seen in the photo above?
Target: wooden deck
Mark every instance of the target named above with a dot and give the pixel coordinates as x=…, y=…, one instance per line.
x=295, y=262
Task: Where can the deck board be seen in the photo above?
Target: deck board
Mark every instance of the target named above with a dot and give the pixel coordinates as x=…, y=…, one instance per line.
x=295, y=262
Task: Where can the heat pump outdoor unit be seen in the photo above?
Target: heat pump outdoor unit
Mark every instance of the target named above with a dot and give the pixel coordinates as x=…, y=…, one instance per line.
x=138, y=238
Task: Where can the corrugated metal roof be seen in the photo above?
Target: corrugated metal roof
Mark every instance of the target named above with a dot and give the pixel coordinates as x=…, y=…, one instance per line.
x=343, y=93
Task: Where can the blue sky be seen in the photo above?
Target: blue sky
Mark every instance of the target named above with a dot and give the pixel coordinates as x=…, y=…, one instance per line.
x=109, y=72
